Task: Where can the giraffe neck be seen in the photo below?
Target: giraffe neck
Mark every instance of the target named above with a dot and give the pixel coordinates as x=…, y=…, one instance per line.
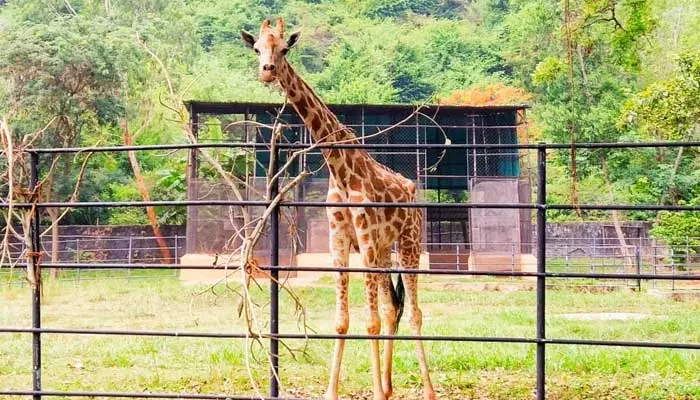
x=320, y=120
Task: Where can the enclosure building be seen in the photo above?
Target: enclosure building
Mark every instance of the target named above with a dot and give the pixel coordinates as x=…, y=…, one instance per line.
x=453, y=237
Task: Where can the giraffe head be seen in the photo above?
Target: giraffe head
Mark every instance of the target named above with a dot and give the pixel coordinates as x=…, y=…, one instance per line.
x=270, y=47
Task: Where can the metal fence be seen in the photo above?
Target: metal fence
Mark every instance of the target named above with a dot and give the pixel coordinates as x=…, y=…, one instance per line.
x=542, y=275
x=104, y=249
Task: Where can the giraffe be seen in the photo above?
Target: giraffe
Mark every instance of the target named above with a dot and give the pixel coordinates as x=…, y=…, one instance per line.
x=355, y=177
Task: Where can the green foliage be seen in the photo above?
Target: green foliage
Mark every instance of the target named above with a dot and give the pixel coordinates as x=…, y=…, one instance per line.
x=680, y=230
x=69, y=68
x=670, y=109
x=446, y=196
x=380, y=9
x=632, y=73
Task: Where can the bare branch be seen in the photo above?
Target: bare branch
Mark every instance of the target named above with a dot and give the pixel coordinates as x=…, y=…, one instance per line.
x=73, y=196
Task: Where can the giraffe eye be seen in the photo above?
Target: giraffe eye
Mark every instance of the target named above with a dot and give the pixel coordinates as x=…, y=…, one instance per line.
x=284, y=51
x=257, y=51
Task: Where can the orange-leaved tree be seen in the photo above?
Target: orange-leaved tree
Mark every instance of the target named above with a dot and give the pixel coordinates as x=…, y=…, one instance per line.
x=496, y=94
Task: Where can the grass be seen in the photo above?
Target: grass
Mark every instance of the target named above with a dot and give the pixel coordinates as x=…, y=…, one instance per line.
x=459, y=370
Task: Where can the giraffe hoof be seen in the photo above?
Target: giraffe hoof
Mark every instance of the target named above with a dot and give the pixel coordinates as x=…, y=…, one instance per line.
x=330, y=396
x=388, y=391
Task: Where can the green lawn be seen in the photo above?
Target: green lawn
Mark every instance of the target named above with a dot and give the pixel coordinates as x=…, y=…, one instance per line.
x=459, y=370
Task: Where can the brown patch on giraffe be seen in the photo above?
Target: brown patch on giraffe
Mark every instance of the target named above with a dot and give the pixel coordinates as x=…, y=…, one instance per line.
x=370, y=255
x=397, y=225
x=372, y=216
x=302, y=107
x=394, y=192
x=334, y=154
x=364, y=238
x=338, y=216
x=334, y=197
x=354, y=183
x=355, y=198
x=360, y=164
x=332, y=225
x=378, y=184
x=389, y=214
x=350, y=159
x=315, y=123
x=342, y=173
x=387, y=230
x=402, y=213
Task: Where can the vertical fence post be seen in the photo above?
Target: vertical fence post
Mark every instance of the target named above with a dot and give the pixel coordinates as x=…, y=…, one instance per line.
x=36, y=290
x=459, y=260
x=177, y=249
x=673, y=269
x=653, y=264
x=77, y=256
x=638, y=256
x=129, y=257
x=192, y=186
x=541, y=252
x=274, y=278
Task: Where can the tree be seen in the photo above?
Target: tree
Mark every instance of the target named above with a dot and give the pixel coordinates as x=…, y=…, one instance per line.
x=69, y=71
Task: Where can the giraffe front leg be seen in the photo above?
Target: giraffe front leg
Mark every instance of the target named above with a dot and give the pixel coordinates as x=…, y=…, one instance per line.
x=388, y=321
x=410, y=257
x=340, y=248
x=365, y=222
x=373, y=328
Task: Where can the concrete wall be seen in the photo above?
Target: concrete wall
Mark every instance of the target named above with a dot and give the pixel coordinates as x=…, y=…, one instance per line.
x=493, y=228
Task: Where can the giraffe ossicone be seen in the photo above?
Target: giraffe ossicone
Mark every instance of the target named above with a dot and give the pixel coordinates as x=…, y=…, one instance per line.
x=354, y=176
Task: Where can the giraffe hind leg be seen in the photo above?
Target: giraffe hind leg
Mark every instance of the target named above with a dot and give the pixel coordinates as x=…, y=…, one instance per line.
x=410, y=257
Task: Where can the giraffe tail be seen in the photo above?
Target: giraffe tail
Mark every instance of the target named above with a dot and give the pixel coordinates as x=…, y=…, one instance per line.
x=397, y=298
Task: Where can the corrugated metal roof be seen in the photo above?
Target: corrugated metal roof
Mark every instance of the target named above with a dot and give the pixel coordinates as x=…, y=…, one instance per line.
x=208, y=107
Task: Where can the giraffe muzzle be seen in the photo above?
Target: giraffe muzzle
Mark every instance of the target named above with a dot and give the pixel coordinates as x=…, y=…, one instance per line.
x=267, y=76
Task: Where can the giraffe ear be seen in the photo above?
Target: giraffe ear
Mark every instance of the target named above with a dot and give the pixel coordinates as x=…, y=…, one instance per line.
x=293, y=38
x=248, y=39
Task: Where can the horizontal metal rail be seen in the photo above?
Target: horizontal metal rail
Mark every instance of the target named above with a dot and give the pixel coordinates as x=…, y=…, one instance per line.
x=592, y=275
x=256, y=203
x=332, y=336
x=139, y=395
x=398, y=146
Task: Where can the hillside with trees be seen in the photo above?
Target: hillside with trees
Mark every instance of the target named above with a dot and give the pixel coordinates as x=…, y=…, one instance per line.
x=115, y=72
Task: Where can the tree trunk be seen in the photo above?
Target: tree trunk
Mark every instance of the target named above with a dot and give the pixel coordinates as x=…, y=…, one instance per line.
x=138, y=179
x=629, y=260
x=53, y=215
x=573, y=189
x=672, y=179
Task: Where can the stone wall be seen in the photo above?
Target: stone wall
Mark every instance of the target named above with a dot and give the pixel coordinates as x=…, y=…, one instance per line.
x=110, y=243
x=103, y=243
x=595, y=238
